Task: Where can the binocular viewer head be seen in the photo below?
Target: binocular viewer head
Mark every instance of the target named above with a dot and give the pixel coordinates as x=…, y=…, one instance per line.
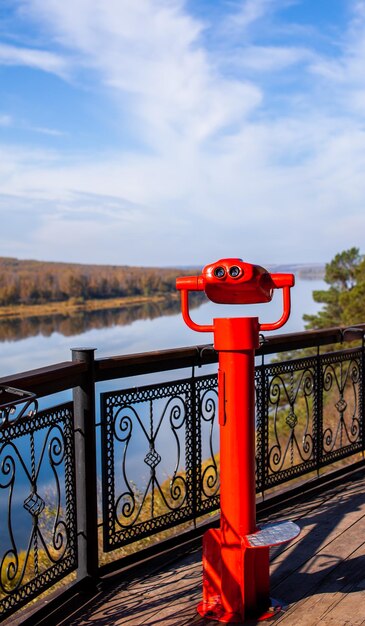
x=232, y=281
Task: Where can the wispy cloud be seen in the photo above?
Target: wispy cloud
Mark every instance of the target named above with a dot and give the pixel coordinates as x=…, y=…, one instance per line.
x=344, y=75
x=244, y=147
x=52, y=132
x=270, y=58
x=247, y=13
x=151, y=52
x=39, y=59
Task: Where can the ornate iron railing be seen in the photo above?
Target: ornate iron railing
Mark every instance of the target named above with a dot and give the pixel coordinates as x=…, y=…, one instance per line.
x=158, y=449
x=160, y=430
x=37, y=500
x=310, y=414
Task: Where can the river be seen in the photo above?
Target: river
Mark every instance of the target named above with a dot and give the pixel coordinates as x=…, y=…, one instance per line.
x=40, y=341
x=36, y=342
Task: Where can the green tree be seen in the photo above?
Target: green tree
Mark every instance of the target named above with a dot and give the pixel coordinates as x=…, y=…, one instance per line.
x=353, y=301
x=344, y=301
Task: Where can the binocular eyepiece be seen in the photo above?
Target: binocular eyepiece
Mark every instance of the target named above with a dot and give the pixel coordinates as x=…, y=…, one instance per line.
x=234, y=271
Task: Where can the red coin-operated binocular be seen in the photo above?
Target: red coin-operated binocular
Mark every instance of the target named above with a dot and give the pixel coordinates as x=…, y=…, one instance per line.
x=232, y=281
x=236, y=556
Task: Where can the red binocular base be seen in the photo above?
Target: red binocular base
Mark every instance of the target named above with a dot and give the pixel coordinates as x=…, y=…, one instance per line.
x=246, y=584
x=214, y=611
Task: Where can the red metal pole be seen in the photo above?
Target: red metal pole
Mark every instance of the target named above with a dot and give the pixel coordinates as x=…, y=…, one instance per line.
x=236, y=340
x=242, y=585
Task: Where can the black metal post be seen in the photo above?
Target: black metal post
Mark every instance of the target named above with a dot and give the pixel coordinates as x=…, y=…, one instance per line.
x=262, y=427
x=193, y=425
x=85, y=467
x=362, y=394
x=318, y=412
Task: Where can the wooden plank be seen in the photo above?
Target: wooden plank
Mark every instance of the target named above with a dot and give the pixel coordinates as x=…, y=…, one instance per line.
x=181, y=592
x=320, y=526
x=161, y=599
x=340, y=597
x=321, y=574
x=301, y=586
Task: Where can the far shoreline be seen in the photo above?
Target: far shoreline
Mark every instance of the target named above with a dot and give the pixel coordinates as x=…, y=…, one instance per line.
x=73, y=305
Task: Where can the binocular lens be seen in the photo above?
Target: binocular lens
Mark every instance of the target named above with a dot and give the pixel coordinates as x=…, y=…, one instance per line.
x=219, y=272
x=234, y=271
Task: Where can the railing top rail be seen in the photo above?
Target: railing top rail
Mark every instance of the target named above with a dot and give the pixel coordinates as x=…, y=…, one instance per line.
x=148, y=362
x=47, y=380
x=310, y=338
x=60, y=376
x=158, y=361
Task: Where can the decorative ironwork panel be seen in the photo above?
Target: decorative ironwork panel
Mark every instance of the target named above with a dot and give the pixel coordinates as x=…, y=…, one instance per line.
x=261, y=428
x=287, y=417
x=37, y=501
x=342, y=401
x=153, y=474
x=308, y=414
x=208, y=445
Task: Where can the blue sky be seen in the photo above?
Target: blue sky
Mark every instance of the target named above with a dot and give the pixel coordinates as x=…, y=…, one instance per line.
x=163, y=132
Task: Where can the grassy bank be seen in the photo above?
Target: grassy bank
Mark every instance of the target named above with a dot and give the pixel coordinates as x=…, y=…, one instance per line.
x=76, y=304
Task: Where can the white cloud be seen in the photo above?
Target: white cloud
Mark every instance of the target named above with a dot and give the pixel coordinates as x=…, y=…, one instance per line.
x=270, y=58
x=344, y=74
x=248, y=198
x=228, y=171
x=53, y=132
x=17, y=161
x=151, y=51
x=39, y=59
x=248, y=12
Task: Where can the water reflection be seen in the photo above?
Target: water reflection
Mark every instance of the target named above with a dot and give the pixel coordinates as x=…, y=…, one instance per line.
x=77, y=322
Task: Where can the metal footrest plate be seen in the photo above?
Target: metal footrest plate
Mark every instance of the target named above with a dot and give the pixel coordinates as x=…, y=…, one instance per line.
x=272, y=535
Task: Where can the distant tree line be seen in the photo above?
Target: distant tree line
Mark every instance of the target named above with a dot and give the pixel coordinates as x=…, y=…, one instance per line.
x=37, y=282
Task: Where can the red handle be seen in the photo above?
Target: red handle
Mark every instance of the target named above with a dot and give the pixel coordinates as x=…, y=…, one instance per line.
x=282, y=280
x=286, y=312
x=190, y=283
x=186, y=315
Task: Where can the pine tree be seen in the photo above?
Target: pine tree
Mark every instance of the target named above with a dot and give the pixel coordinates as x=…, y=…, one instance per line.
x=344, y=301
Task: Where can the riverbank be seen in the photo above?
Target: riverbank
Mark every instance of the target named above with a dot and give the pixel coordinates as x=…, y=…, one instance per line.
x=73, y=305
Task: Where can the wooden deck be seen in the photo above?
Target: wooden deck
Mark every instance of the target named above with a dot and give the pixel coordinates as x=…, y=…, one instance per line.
x=319, y=578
